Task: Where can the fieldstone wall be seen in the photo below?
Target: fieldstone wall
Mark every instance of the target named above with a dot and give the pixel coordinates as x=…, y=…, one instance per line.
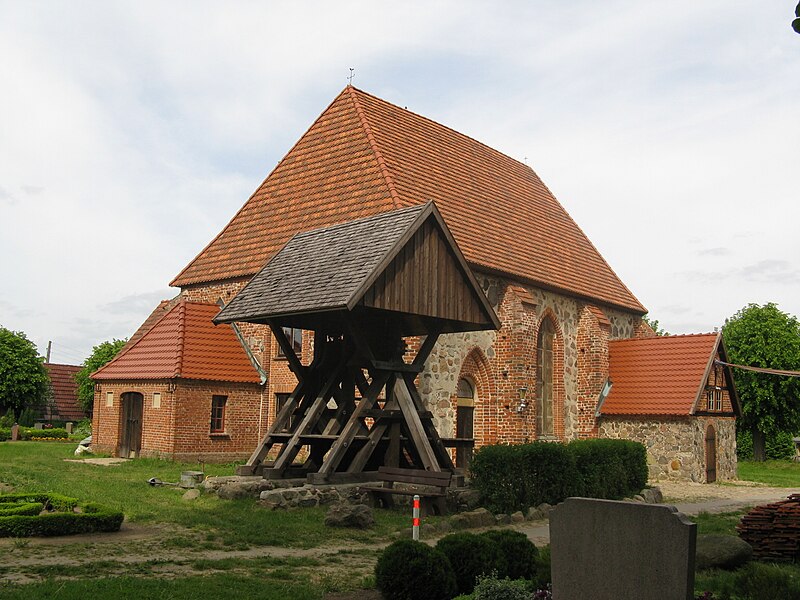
x=676, y=446
x=500, y=363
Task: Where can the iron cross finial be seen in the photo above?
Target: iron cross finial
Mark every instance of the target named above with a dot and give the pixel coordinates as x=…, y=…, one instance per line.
x=352, y=76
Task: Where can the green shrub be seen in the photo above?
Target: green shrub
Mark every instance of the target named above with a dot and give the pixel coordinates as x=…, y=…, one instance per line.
x=543, y=576
x=5, y=434
x=493, y=588
x=778, y=446
x=612, y=469
x=758, y=581
x=20, y=508
x=407, y=568
x=512, y=478
x=64, y=521
x=8, y=419
x=43, y=434
x=471, y=555
x=27, y=418
x=519, y=553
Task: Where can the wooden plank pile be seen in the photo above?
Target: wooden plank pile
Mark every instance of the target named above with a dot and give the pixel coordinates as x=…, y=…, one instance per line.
x=773, y=530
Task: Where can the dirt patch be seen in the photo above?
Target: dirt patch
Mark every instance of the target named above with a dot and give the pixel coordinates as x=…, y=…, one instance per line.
x=5, y=488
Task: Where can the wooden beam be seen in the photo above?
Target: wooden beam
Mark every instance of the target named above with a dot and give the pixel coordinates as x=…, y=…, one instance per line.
x=288, y=351
x=430, y=429
x=292, y=447
x=415, y=428
x=425, y=349
x=352, y=427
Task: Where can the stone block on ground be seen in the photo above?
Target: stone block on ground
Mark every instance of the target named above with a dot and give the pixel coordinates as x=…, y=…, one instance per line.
x=356, y=516
x=652, y=495
x=517, y=517
x=721, y=552
x=608, y=550
x=534, y=514
x=191, y=495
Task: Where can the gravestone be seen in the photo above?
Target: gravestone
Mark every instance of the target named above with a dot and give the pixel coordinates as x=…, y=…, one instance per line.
x=68, y=427
x=38, y=425
x=15, y=433
x=607, y=550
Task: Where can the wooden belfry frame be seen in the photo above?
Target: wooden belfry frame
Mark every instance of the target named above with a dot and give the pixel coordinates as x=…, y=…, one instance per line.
x=362, y=287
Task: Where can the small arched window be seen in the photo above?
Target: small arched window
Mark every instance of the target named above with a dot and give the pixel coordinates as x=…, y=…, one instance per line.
x=544, y=380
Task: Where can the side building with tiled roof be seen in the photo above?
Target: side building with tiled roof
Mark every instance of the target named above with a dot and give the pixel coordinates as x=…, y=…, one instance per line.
x=541, y=375
x=184, y=388
x=676, y=396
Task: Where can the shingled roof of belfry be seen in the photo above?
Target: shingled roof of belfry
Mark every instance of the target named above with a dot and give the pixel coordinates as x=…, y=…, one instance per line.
x=364, y=156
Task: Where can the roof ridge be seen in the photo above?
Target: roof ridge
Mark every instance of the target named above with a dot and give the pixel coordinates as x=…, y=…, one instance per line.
x=181, y=338
x=455, y=131
x=664, y=337
x=362, y=117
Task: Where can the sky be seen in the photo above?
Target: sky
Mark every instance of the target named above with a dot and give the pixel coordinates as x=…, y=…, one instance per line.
x=132, y=132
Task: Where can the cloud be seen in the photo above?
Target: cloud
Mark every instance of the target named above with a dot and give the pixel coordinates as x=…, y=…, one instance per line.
x=774, y=271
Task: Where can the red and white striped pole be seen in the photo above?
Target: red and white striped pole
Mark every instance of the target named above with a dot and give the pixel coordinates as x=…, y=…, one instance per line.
x=415, y=519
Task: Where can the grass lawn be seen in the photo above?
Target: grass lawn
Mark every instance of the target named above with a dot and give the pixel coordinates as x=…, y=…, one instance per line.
x=40, y=466
x=204, y=548
x=777, y=473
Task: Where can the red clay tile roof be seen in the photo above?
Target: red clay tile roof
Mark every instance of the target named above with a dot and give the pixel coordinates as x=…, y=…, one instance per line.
x=65, y=391
x=658, y=375
x=158, y=312
x=184, y=343
x=364, y=155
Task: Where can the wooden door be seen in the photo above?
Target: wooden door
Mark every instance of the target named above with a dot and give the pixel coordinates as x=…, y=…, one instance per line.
x=130, y=439
x=711, y=454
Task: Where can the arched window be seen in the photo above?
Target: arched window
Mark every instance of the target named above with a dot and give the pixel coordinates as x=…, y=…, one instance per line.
x=544, y=380
x=465, y=411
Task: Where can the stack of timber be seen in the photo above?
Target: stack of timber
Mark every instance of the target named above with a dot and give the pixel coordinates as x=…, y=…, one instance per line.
x=773, y=530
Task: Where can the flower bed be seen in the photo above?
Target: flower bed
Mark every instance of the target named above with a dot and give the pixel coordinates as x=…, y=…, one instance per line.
x=27, y=515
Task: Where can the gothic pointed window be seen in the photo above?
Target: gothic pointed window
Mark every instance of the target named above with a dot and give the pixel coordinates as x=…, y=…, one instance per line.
x=465, y=410
x=545, y=421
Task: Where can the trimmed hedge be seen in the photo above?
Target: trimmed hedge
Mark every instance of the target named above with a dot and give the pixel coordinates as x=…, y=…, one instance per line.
x=471, y=555
x=63, y=521
x=408, y=569
x=5, y=434
x=520, y=553
x=21, y=508
x=512, y=478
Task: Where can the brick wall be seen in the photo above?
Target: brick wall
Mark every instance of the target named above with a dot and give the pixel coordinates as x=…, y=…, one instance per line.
x=180, y=427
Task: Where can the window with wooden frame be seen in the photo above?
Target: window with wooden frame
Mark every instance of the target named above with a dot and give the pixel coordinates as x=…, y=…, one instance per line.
x=218, y=413
x=465, y=412
x=545, y=421
x=295, y=337
x=715, y=386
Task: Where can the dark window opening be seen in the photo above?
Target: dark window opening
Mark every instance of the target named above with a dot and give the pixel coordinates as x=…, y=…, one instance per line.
x=295, y=337
x=218, y=413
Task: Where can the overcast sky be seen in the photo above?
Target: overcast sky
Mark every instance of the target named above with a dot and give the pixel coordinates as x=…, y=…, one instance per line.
x=131, y=132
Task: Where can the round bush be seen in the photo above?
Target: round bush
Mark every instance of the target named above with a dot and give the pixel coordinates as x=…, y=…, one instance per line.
x=408, y=569
x=519, y=552
x=471, y=555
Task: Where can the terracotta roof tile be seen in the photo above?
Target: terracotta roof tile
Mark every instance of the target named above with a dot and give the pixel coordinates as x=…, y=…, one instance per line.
x=364, y=155
x=184, y=343
x=65, y=391
x=659, y=375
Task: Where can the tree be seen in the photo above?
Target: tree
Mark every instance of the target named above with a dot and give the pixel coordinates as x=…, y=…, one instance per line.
x=763, y=336
x=796, y=22
x=101, y=354
x=23, y=379
x=653, y=323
